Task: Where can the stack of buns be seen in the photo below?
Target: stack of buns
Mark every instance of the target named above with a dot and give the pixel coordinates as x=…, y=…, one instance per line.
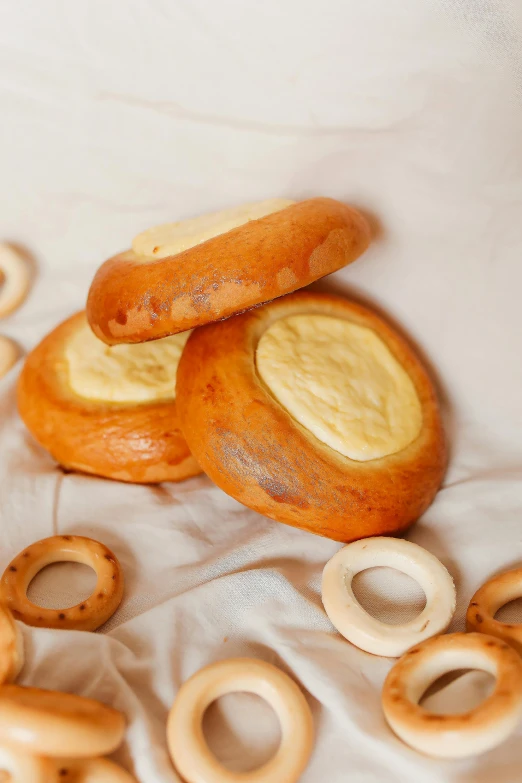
x=195, y=353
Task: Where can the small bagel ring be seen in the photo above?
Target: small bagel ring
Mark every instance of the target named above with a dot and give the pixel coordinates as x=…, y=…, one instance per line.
x=11, y=647
x=15, y=278
x=91, y=771
x=191, y=755
x=365, y=631
x=466, y=734
x=87, y=616
x=22, y=768
x=8, y=355
x=54, y=724
x=488, y=599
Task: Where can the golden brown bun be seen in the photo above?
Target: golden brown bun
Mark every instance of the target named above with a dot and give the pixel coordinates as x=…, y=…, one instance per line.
x=132, y=301
x=256, y=452
x=139, y=443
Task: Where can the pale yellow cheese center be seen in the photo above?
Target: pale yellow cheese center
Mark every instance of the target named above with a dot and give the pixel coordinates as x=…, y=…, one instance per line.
x=123, y=373
x=172, y=238
x=341, y=382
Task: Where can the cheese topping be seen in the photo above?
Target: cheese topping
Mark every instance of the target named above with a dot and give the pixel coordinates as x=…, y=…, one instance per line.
x=144, y=372
x=172, y=238
x=341, y=382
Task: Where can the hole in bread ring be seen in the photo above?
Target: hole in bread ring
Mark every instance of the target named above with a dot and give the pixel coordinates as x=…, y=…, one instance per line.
x=365, y=631
x=85, y=616
x=454, y=735
x=15, y=280
x=388, y=595
x=254, y=449
x=242, y=731
x=61, y=585
x=191, y=755
x=458, y=691
x=58, y=724
x=8, y=355
x=486, y=602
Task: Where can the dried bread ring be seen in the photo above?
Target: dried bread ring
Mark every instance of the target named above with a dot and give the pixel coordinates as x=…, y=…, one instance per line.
x=256, y=451
x=365, y=631
x=136, y=298
x=468, y=733
x=15, y=280
x=90, y=771
x=11, y=646
x=86, y=616
x=130, y=441
x=23, y=768
x=495, y=593
x=8, y=355
x=58, y=725
x=190, y=753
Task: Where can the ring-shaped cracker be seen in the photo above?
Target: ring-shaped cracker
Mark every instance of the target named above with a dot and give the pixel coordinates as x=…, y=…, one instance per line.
x=134, y=442
x=85, y=616
x=133, y=298
x=354, y=622
x=255, y=451
x=189, y=751
x=486, y=602
x=90, y=771
x=8, y=355
x=15, y=279
x=465, y=734
x=11, y=646
x=23, y=768
x=58, y=725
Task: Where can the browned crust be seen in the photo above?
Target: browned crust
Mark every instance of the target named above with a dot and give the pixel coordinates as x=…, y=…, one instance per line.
x=135, y=443
x=255, y=451
x=131, y=301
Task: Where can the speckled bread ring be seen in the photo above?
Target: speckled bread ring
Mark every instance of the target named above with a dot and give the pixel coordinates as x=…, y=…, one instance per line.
x=86, y=616
x=11, y=646
x=468, y=733
x=23, y=768
x=8, y=355
x=90, y=771
x=365, y=631
x=15, y=279
x=134, y=297
x=255, y=449
x=137, y=441
x=191, y=755
x=54, y=724
x=486, y=602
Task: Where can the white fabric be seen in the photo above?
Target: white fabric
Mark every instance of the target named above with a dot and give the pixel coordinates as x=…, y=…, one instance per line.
x=117, y=115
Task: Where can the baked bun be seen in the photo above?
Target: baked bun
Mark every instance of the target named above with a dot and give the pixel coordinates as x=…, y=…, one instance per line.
x=257, y=451
x=145, y=295
x=135, y=440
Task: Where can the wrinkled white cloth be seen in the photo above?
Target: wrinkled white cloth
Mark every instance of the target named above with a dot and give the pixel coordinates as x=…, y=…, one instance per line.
x=119, y=115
